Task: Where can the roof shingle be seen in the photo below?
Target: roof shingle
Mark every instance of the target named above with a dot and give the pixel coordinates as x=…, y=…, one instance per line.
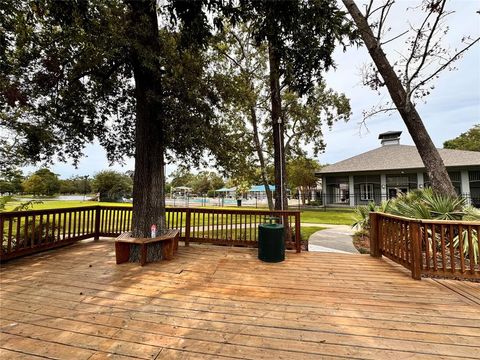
x=398, y=157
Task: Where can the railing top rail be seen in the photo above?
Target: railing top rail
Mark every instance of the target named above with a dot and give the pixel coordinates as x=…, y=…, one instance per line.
x=115, y=207
x=168, y=209
x=47, y=211
x=235, y=211
x=426, y=221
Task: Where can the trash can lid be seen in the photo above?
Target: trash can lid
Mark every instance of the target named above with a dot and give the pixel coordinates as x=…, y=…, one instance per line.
x=272, y=226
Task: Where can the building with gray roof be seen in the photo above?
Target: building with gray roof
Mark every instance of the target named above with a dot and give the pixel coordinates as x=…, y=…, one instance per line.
x=391, y=169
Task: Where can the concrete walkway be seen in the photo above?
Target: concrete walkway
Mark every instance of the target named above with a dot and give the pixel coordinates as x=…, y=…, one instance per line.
x=336, y=238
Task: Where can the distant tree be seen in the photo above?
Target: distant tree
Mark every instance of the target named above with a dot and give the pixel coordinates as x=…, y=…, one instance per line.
x=12, y=180
x=201, y=183
x=409, y=79
x=35, y=185
x=75, y=185
x=15, y=177
x=206, y=181
x=216, y=181
x=469, y=140
x=300, y=37
x=242, y=66
x=168, y=188
x=6, y=187
x=301, y=175
x=112, y=185
x=67, y=186
x=51, y=180
x=42, y=182
x=181, y=177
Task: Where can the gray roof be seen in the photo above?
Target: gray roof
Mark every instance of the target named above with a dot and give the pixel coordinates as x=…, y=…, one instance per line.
x=389, y=133
x=399, y=157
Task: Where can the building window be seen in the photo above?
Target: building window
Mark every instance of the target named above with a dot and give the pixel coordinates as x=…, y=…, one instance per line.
x=366, y=191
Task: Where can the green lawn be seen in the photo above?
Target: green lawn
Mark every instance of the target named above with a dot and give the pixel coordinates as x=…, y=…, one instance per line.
x=337, y=217
x=306, y=231
x=60, y=204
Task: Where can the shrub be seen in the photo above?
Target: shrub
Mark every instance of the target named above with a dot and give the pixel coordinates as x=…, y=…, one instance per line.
x=426, y=204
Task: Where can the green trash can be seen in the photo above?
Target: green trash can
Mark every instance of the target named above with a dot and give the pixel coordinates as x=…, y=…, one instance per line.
x=271, y=243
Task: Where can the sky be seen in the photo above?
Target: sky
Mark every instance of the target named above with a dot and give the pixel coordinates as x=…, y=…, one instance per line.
x=452, y=108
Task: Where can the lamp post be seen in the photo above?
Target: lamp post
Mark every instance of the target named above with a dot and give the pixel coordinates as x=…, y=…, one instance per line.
x=85, y=179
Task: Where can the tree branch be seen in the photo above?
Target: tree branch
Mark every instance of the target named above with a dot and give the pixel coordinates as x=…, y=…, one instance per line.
x=394, y=38
x=429, y=39
x=441, y=68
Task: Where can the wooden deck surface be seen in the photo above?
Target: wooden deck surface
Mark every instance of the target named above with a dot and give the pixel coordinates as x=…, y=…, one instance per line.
x=221, y=302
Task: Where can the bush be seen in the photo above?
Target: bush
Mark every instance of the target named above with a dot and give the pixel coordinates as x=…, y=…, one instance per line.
x=425, y=204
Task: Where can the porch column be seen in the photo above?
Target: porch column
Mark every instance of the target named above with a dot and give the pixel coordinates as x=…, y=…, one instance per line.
x=351, y=190
x=465, y=186
x=420, y=180
x=324, y=190
x=383, y=186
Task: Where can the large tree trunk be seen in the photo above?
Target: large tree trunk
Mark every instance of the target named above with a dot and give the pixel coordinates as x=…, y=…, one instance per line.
x=281, y=201
x=261, y=158
x=437, y=173
x=149, y=176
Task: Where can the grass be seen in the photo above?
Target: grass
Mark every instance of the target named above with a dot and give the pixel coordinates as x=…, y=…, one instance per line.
x=307, y=231
x=61, y=204
x=336, y=217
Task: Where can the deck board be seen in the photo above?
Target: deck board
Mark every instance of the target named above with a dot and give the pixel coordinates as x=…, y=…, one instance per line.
x=221, y=302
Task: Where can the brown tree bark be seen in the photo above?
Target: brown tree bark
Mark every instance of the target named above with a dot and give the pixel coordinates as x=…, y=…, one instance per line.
x=261, y=158
x=149, y=176
x=437, y=173
x=281, y=201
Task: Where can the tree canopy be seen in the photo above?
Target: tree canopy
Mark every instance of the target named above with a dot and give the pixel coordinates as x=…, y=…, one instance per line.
x=73, y=72
x=112, y=185
x=469, y=140
x=42, y=182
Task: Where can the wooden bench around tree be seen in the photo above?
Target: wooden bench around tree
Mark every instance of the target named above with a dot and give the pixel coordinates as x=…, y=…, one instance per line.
x=124, y=245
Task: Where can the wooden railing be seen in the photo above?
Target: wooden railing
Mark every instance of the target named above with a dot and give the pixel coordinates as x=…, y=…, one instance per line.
x=429, y=247
x=27, y=232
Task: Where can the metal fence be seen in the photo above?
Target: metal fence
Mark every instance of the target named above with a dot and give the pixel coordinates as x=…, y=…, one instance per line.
x=351, y=200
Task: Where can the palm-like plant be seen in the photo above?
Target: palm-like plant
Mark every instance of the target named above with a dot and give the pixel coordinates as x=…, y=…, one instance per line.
x=444, y=207
x=362, y=216
x=426, y=204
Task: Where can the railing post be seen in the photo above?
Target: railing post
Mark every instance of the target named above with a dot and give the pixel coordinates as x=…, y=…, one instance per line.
x=375, y=250
x=298, y=240
x=187, y=226
x=96, y=236
x=1, y=235
x=416, y=250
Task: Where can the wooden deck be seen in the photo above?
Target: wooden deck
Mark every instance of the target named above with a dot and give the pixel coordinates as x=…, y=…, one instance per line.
x=221, y=302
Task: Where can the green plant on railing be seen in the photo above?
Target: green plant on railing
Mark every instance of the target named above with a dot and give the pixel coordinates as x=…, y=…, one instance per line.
x=24, y=206
x=426, y=204
x=419, y=204
x=37, y=234
x=362, y=216
x=3, y=202
x=21, y=207
x=463, y=237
